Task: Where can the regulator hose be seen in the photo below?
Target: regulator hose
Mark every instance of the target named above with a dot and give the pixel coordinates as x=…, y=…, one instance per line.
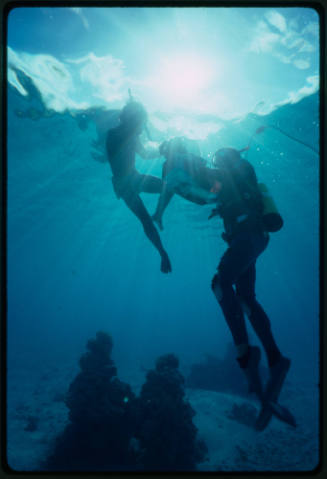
x=264, y=127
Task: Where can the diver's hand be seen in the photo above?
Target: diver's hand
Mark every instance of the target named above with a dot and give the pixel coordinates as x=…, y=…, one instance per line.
x=165, y=263
x=216, y=187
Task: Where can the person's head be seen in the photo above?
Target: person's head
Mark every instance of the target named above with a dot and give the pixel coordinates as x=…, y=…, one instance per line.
x=133, y=116
x=225, y=158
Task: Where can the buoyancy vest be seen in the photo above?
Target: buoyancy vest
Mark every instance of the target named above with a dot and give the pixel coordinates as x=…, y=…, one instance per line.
x=240, y=198
x=271, y=217
x=245, y=203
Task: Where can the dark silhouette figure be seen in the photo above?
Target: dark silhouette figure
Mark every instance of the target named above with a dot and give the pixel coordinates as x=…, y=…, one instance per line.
x=241, y=206
x=122, y=144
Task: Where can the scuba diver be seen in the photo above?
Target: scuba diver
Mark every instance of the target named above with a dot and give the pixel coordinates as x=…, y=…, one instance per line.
x=185, y=174
x=122, y=143
x=248, y=216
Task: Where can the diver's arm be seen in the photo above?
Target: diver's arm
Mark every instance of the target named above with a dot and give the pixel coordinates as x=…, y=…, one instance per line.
x=216, y=210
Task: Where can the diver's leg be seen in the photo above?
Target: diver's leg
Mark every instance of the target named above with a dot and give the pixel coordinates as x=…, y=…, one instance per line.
x=135, y=204
x=163, y=201
x=278, y=364
x=245, y=287
x=235, y=260
x=242, y=252
x=186, y=186
x=150, y=184
x=196, y=194
x=222, y=286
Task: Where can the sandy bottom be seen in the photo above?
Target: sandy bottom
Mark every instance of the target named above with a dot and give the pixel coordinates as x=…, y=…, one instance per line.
x=235, y=446
x=36, y=414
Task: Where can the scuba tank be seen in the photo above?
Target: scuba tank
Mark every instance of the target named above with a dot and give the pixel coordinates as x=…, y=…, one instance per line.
x=272, y=220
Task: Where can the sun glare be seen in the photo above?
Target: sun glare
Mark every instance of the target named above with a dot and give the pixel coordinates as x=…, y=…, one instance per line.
x=180, y=79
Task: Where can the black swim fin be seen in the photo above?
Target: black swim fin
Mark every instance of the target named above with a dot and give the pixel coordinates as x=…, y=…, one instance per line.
x=269, y=407
x=271, y=394
x=282, y=413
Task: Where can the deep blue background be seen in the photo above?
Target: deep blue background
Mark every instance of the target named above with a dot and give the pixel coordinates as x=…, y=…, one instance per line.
x=78, y=260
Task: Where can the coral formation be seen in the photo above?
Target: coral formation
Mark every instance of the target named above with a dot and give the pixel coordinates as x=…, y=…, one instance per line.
x=110, y=429
x=101, y=414
x=166, y=433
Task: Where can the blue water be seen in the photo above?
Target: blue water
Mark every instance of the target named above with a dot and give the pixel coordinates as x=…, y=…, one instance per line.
x=79, y=262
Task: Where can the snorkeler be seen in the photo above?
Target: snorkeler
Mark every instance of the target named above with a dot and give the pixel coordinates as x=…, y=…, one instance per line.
x=241, y=205
x=122, y=144
x=185, y=174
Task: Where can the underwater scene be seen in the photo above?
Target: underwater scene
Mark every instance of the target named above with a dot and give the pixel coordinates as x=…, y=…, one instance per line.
x=125, y=347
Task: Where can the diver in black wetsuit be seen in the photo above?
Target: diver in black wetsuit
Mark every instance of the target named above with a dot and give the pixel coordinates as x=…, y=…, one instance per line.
x=240, y=205
x=122, y=144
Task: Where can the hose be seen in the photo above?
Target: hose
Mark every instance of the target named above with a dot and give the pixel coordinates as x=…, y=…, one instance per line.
x=263, y=127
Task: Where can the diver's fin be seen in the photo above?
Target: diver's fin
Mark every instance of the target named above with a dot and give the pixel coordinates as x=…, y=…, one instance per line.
x=252, y=372
x=282, y=413
x=268, y=398
x=271, y=393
